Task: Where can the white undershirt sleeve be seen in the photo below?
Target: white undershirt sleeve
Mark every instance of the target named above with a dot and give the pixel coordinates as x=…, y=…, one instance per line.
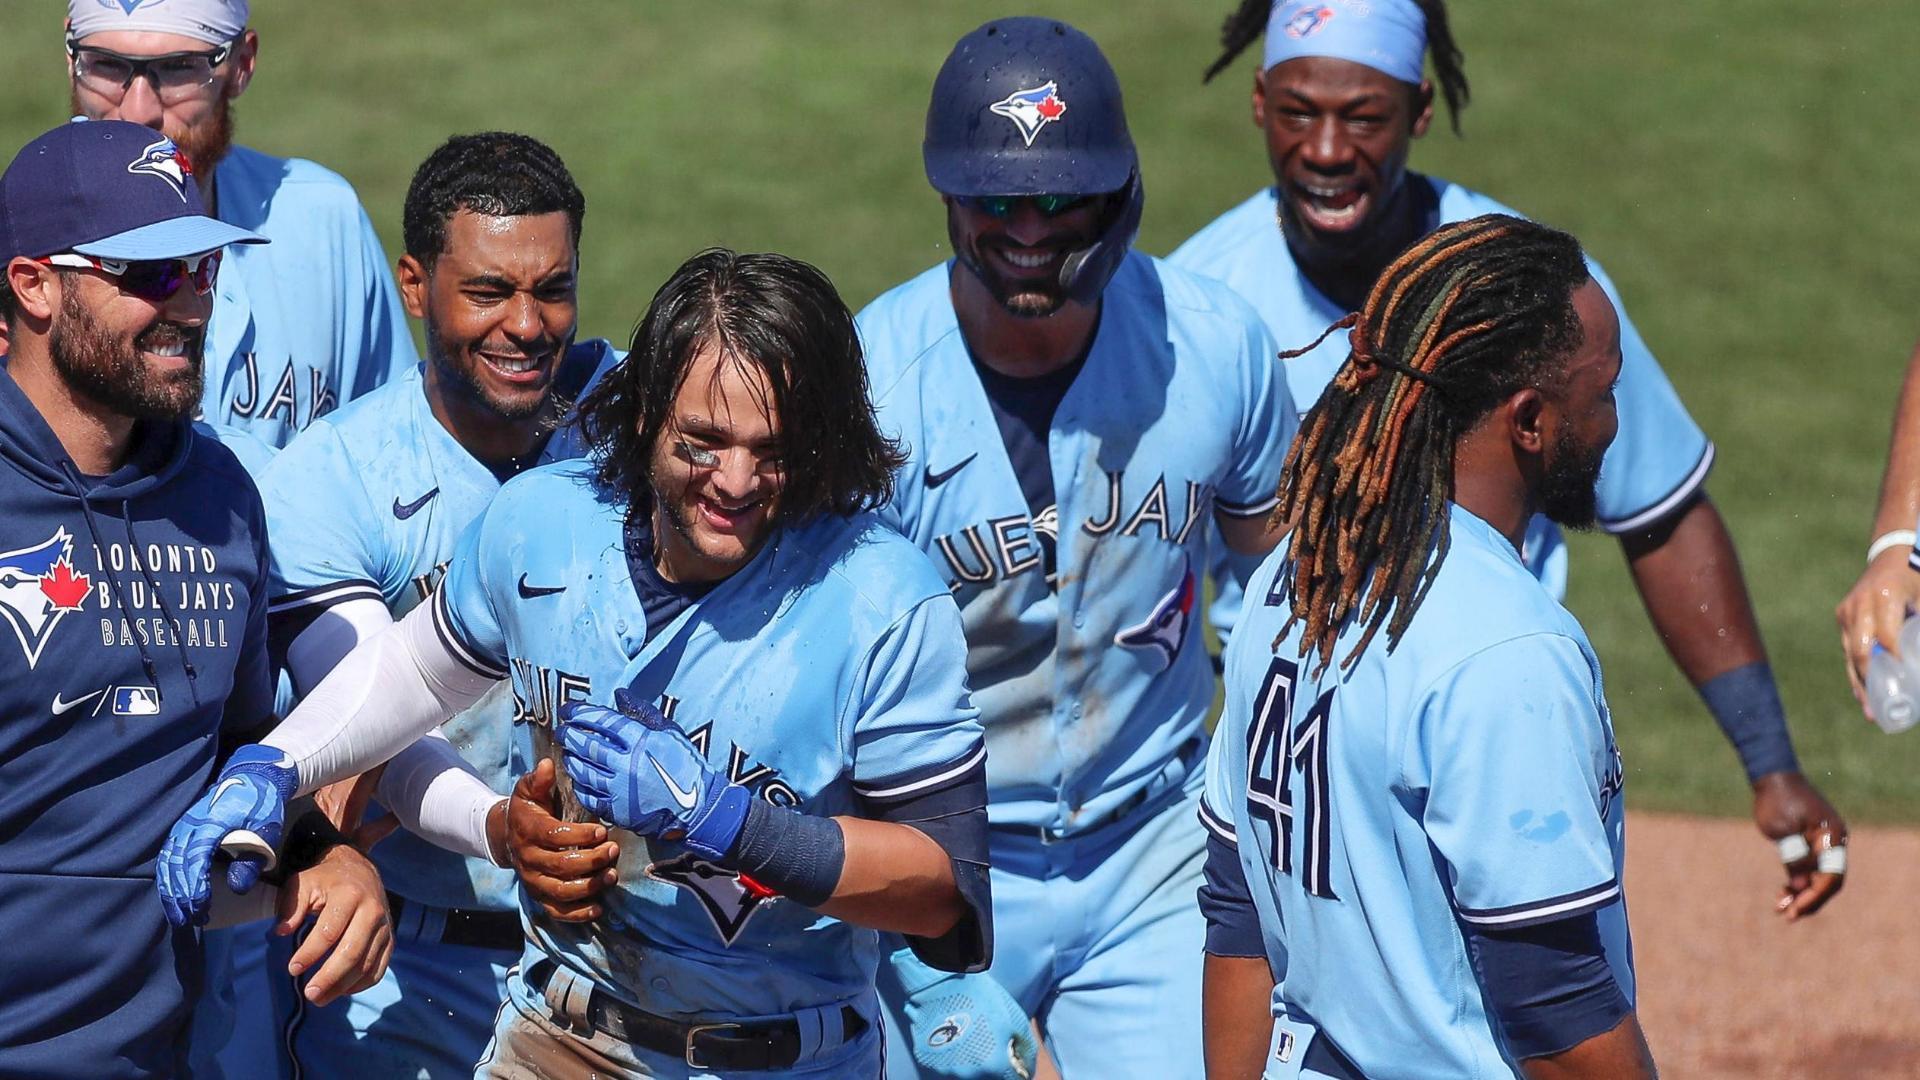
x=391, y=689
x=333, y=634
x=437, y=795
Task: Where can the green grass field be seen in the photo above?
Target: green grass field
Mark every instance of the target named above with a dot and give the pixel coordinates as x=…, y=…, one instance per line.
x=1736, y=164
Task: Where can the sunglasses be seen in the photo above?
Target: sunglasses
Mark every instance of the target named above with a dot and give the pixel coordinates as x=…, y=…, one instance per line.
x=1003, y=206
x=154, y=280
x=176, y=76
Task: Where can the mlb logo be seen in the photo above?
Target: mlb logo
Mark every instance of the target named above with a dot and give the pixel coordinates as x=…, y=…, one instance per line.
x=136, y=701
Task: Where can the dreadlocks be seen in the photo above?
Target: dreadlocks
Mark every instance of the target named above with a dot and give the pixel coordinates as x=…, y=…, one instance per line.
x=1248, y=21
x=1470, y=315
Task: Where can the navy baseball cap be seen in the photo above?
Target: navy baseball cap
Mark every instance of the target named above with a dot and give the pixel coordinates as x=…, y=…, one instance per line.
x=110, y=189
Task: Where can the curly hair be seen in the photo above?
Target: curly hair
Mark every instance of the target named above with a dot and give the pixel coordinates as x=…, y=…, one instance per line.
x=1249, y=21
x=496, y=173
x=783, y=318
x=1464, y=319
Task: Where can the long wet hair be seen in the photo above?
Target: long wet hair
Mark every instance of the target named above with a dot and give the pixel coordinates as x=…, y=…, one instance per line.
x=785, y=320
x=1467, y=317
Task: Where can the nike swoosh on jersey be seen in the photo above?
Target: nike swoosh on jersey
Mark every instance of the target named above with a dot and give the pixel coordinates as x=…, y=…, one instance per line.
x=935, y=479
x=403, y=511
x=528, y=592
x=681, y=795
x=60, y=706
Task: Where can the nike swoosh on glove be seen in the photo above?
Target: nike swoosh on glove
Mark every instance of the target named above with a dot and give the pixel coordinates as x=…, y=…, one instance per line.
x=247, y=804
x=963, y=1027
x=634, y=769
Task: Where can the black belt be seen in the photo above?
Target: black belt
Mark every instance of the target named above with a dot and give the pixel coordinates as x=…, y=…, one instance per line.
x=464, y=926
x=1325, y=1058
x=763, y=1044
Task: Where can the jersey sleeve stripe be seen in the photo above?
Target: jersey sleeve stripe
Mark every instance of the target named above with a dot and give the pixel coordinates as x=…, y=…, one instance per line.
x=460, y=650
x=1540, y=911
x=1247, y=510
x=1217, y=825
x=911, y=784
x=1668, y=503
x=325, y=596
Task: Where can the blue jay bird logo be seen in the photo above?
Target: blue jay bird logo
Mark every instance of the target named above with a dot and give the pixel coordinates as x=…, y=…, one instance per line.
x=163, y=159
x=1166, y=628
x=1308, y=21
x=1030, y=110
x=37, y=588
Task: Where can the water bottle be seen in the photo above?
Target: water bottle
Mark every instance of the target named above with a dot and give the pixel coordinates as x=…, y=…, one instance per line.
x=1893, y=682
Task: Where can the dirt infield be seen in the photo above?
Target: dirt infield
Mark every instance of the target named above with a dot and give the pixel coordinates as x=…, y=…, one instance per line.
x=1729, y=990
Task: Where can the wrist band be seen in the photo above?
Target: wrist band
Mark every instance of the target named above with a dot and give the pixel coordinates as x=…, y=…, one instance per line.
x=1746, y=704
x=797, y=855
x=1887, y=541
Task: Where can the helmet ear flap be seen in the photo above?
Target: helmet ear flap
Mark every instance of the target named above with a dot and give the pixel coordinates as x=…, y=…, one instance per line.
x=1085, y=273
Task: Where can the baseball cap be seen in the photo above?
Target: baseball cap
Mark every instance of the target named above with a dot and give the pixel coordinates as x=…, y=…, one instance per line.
x=110, y=189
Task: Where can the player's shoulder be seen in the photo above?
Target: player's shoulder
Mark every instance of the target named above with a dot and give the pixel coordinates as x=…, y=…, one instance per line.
x=1485, y=605
x=1187, y=293
x=903, y=324
x=1227, y=235
x=550, y=493
x=209, y=456
x=364, y=429
x=261, y=190
x=1458, y=202
x=866, y=568
x=253, y=453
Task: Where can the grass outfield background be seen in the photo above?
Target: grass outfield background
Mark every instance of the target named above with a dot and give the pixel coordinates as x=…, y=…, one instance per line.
x=1743, y=168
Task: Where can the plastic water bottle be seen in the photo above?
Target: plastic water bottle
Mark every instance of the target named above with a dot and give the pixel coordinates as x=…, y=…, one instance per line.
x=1893, y=682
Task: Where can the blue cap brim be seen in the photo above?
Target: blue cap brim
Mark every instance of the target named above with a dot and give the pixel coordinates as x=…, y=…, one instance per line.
x=174, y=238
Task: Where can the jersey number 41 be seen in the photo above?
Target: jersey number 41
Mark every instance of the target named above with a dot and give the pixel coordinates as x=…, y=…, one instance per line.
x=1276, y=749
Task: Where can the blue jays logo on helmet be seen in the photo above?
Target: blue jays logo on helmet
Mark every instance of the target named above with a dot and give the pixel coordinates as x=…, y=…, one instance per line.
x=1165, y=629
x=163, y=159
x=1308, y=21
x=1031, y=109
x=37, y=588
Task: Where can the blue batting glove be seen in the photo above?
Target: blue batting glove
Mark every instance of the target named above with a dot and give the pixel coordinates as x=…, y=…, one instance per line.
x=960, y=1027
x=632, y=768
x=245, y=808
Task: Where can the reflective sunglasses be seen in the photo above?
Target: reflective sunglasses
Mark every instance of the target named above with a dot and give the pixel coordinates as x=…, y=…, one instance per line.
x=176, y=76
x=1003, y=206
x=154, y=280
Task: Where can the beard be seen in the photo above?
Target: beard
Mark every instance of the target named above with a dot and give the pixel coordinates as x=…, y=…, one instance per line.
x=1568, y=491
x=443, y=353
x=1027, y=299
x=107, y=369
x=205, y=146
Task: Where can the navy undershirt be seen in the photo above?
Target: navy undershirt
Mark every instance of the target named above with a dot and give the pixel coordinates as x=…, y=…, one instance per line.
x=662, y=600
x=1023, y=407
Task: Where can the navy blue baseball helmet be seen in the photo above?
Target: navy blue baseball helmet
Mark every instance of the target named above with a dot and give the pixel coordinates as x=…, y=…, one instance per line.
x=1030, y=106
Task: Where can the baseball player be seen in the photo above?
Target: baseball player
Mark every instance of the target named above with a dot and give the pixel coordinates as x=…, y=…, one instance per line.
x=133, y=593
x=1414, y=793
x=300, y=325
x=1340, y=96
x=822, y=774
x=1078, y=416
x=365, y=508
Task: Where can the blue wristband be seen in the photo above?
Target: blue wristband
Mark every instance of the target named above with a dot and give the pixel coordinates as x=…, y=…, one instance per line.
x=1746, y=704
x=797, y=855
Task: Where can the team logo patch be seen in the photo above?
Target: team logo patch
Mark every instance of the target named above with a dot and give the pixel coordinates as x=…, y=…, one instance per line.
x=37, y=589
x=728, y=902
x=1308, y=22
x=163, y=159
x=1031, y=110
x=1165, y=629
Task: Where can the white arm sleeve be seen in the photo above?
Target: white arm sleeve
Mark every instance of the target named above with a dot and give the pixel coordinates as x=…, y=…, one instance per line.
x=438, y=796
x=228, y=908
x=333, y=634
x=389, y=691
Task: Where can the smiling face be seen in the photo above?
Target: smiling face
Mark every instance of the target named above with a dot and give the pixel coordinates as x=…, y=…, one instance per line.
x=138, y=358
x=1019, y=258
x=500, y=308
x=717, y=470
x=1338, y=135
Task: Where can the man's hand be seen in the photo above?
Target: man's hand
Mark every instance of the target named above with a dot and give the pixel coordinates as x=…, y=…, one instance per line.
x=963, y=1026
x=1873, y=610
x=1788, y=808
x=562, y=865
x=248, y=801
x=344, y=891
x=635, y=770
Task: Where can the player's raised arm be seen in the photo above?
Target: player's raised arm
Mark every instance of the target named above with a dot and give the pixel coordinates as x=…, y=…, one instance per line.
x=1879, y=602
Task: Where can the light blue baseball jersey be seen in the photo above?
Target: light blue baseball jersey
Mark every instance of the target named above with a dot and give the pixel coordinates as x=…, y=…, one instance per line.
x=307, y=322
x=1468, y=776
x=831, y=665
x=1090, y=694
x=1659, y=459
x=369, y=503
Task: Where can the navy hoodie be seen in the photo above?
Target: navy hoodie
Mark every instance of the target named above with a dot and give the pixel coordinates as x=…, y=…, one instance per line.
x=132, y=635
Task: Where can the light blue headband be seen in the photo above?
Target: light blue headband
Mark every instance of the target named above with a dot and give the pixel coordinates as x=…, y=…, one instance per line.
x=1387, y=35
